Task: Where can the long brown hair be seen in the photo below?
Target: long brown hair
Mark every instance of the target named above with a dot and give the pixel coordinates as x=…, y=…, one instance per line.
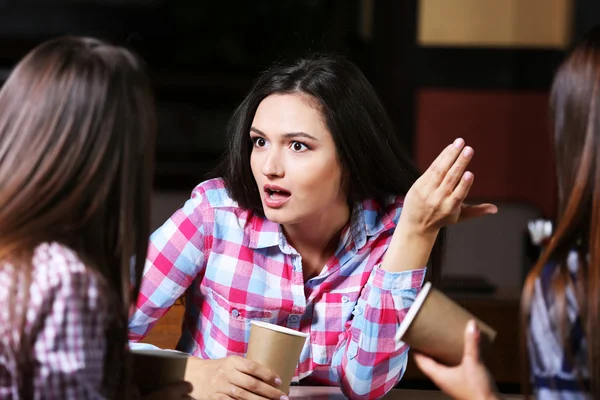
x=77, y=127
x=575, y=111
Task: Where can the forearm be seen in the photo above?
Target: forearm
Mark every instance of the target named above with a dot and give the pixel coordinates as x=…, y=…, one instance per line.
x=369, y=362
x=409, y=249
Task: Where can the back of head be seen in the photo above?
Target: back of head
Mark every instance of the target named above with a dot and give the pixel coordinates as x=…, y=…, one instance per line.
x=575, y=113
x=77, y=125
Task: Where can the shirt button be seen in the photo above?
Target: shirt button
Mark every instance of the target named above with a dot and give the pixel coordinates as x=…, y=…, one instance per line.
x=359, y=311
x=235, y=313
x=345, y=299
x=293, y=318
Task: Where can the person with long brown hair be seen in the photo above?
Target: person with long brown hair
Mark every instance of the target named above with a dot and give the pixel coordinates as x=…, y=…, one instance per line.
x=77, y=127
x=560, y=306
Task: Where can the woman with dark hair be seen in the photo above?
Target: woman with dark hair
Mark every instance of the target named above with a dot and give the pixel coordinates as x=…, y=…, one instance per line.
x=294, y=232
x=560, y=306
x=77, y=124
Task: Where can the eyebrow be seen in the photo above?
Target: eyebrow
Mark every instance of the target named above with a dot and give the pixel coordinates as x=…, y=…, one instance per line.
x=288, y=135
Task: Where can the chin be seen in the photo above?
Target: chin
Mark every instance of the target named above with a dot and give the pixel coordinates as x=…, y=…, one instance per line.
x=282, y=217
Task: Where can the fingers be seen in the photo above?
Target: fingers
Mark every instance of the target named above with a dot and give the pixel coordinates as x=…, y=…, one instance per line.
x=462, y=189
x=471, y=350
x=439, y=168
x=240, y=393
x=469, y=212
x=258, y=371
x=435, y=371
x=457, y=169
x=248, y=387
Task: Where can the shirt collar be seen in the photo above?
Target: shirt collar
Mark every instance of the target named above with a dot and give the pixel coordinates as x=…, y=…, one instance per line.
x=369, y=218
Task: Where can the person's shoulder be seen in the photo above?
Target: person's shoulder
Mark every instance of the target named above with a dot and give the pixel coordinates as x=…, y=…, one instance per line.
x=213, y=193
x=62, y=282
x=212, y=200
x=56, y=260
x=57, y=267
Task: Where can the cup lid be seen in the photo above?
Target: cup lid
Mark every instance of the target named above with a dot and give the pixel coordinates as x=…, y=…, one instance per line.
x=278, y=328
x=412, y=311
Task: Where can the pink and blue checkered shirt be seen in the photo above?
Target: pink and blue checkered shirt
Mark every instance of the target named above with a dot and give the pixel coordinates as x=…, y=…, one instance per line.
x=235, y=266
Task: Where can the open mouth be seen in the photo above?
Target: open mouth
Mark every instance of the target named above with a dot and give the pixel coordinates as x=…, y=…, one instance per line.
x=277, y=194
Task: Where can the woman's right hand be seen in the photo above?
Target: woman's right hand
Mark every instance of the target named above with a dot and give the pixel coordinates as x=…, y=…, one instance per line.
x=232, y=378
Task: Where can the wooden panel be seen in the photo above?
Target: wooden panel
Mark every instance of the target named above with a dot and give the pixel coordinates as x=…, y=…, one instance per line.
x=509, y=132
x=495, y=23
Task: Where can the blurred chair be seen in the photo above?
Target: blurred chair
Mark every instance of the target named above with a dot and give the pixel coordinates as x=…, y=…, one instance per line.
x=494, y=247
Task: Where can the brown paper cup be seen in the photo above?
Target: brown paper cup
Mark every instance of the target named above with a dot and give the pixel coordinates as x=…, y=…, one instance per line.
x=277, y=348
x=154, y=369
x=435, y=326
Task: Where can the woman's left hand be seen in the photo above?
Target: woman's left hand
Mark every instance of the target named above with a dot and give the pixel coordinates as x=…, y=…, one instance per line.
x=437, y=198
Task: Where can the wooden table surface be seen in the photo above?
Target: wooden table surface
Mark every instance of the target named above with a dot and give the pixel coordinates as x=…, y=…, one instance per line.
x=333, y=393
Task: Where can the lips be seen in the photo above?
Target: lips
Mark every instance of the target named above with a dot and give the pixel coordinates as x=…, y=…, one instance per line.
x=276, y=196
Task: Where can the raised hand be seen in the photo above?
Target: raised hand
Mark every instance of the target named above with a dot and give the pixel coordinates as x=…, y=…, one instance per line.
x=435, y=200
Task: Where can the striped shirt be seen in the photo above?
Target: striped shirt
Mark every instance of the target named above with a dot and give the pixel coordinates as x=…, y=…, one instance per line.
x=554, y=375
x=235, y=266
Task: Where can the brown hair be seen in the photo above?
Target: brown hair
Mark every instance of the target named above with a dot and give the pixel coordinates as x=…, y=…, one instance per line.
x=77, y=127
x=576, y=124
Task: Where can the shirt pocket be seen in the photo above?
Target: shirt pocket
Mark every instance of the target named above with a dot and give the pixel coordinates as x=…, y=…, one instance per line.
x=231, y=324
x=331, y=319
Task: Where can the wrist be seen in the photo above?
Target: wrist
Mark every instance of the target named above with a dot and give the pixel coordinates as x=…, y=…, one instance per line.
x=407, y=231
x=409, y=248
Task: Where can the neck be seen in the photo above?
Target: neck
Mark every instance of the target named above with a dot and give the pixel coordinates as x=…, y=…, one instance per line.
x=319, y=236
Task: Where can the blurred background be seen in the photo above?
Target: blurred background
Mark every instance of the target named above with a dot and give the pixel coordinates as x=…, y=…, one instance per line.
x=477, y=69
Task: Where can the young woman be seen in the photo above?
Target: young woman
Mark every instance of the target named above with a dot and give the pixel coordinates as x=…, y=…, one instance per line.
x=76, y=143
x=561, y=297
x=295, y=231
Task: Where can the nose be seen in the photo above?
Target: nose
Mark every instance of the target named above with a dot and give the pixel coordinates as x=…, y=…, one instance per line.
x=272, y=166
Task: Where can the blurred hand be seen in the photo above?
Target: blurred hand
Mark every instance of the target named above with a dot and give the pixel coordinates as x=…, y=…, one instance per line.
x=436, y=198
x=232, y=378
x=468, y=381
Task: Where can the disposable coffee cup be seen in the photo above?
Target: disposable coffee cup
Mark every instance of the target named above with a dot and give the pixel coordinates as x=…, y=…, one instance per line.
x=435, y=326
x=276, y=348
x=154, y=369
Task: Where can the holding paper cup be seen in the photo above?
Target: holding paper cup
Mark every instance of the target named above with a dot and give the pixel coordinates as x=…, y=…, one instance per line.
x=435, y=326
x=277, y=348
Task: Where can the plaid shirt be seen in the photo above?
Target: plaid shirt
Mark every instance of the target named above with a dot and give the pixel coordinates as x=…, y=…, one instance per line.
x=554, y=374
x=236, y=266
x=66, y=320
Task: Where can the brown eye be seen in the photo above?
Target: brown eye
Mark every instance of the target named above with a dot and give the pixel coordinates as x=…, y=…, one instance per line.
x=260, y=142
x=298, y=147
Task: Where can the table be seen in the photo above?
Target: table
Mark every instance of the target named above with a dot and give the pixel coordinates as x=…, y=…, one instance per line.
x=334, y=393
